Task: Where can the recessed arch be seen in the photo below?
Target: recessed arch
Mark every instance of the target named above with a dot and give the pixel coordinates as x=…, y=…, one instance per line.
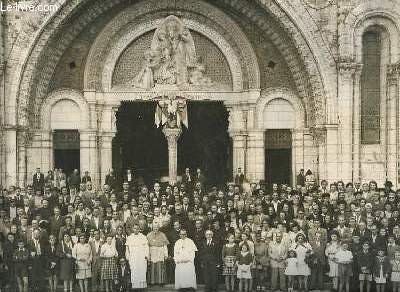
x=281, y=94
x=380, y=13
x=63, y=95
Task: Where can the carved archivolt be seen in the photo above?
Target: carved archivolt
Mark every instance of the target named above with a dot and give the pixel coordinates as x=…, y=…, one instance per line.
x=136, y=31
x=200, y=17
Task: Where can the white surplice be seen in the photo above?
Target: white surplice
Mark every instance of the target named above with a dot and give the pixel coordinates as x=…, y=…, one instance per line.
x=185, y=274
x=137, y=250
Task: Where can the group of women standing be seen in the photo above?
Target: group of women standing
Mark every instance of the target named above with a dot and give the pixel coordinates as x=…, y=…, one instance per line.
x=67, y=261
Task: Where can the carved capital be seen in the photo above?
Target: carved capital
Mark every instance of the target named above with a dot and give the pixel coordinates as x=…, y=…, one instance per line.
x=393, y=72
x=172, y=135
x=349, y=70
x=318, y=133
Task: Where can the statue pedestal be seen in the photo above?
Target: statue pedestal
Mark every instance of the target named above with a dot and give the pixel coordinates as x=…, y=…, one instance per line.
x=172, y=135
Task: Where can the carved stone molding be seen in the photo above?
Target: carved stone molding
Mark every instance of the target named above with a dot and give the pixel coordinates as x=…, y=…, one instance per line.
x=318, y=134
x=393, y=72
x=348, y=70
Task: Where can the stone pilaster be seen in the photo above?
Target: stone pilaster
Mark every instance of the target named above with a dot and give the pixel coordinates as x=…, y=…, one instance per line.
x=238, y=117
x=88, y=153
x=105, y=154
x=345, y=126
x=255, y=155
x=357, y=124
x=332, y=153
x=392, y=122
x=239, y=147
x=172, y=135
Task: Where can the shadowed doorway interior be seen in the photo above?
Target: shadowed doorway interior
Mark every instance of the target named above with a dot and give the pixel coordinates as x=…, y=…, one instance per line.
x=66, y=150
x=206, y=144
x=278, y=156
x=139, y=144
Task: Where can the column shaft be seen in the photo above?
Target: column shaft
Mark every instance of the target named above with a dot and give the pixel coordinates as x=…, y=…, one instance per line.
x=172, y=136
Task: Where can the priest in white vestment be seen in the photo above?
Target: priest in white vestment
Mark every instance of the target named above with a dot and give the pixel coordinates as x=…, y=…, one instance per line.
x=137, y=254
x=184, y=253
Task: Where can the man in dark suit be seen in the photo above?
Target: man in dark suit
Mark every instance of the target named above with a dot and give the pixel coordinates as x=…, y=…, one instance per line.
x=210, y=262
x=74, y=180
x=111, y=180
x=38, y=180
x=301, y=179
x=187, y=178
x=239, y=177
x=200, y=177
x=86, y=177
x=56, y=221
x=38, y=261
x=130, y=178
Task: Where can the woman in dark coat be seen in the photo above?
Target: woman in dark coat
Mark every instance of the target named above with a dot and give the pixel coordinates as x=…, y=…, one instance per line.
x=64, y=252
x=52, y=264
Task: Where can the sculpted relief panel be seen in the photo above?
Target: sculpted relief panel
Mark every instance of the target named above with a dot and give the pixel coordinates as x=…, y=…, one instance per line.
x=172, y=56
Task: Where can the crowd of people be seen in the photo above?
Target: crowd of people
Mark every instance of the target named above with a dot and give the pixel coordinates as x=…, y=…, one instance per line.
x=244, y=236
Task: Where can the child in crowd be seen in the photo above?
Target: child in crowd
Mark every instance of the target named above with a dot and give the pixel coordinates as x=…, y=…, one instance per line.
x=261, y=261
x=229, y=255
x=123, y=280
x=244, y=261
x=344, y=258
x=109, y=268
x=365, y=264
x=21, y=261
x=395, y=268
x=381, y=269
x=291, y=269
x=331, y=249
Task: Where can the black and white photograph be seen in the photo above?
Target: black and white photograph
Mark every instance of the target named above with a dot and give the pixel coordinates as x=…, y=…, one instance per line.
x=199, y=145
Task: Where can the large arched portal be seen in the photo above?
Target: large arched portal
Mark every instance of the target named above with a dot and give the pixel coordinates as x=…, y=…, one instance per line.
x=97, y=48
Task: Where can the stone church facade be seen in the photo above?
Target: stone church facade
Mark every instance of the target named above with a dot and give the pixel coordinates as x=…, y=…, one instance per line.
x=325, y=72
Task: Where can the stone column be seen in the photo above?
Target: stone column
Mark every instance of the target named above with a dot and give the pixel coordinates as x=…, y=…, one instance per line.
x=345, y=115
x=172, y=135
x=255, y=155
x=392, y=122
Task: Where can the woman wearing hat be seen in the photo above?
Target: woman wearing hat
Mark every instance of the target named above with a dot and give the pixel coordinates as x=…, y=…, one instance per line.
x=303, y=251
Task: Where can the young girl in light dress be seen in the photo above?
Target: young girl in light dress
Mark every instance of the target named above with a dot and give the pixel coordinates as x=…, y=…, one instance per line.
x=291, y=269
x=331, y=249
x=395, y=267
x=244, y=261
x=344, y=258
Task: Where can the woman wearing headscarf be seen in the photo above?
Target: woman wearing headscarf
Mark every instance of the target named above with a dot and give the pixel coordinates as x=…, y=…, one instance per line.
x=158, y=254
